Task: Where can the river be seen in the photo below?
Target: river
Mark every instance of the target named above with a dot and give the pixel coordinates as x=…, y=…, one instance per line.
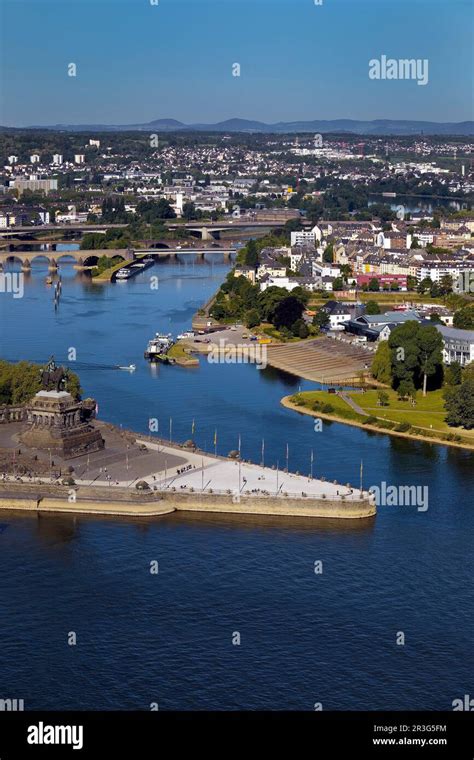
x=305, y=638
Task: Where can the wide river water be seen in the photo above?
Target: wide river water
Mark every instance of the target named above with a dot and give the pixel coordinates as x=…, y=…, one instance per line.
x=305, y=637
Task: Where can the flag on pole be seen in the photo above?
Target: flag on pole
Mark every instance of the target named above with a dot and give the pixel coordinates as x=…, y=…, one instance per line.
x=240, y=442
x=312, y=456
x=361, y=473
x=192, y=428
x=215, y=437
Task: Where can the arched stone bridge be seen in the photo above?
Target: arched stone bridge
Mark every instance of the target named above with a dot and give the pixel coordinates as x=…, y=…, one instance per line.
x=89, y=258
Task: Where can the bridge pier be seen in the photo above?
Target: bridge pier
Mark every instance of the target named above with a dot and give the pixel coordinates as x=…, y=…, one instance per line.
x=26, y=265
x=53, y=265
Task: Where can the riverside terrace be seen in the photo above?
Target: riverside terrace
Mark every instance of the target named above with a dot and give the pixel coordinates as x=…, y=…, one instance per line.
x=176, y=478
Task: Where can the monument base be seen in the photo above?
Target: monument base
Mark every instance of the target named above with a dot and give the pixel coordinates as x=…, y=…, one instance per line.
x=57, y=422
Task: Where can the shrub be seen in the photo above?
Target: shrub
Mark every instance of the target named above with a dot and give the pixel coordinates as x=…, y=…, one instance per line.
x=453, y=437
x=370, y=420
x=327, y=408
x=385, y=424
x=403, y=427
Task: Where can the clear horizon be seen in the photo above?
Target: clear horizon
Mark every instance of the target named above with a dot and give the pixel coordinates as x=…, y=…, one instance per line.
x=137, y=62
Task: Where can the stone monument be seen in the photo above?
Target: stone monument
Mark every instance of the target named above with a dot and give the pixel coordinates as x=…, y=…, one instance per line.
x=56, y=421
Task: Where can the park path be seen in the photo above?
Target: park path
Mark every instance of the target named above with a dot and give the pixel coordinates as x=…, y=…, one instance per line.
x=353, y=404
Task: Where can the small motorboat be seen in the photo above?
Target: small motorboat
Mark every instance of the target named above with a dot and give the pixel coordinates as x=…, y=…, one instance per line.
x=130, y=368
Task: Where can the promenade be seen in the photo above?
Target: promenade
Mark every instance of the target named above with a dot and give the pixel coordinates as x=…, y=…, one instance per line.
x=139, y=475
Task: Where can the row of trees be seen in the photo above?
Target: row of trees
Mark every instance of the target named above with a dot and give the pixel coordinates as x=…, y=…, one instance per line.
x=19, y=382
x=239, y=300
x=113, y=238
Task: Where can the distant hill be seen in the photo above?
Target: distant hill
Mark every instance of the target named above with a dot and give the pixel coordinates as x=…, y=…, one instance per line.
x=376, y=127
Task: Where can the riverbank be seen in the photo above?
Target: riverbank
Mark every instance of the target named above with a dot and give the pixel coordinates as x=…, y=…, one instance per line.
x=44, y=499
x=357, y=420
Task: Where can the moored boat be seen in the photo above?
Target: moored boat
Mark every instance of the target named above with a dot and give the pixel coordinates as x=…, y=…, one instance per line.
x=158, y=347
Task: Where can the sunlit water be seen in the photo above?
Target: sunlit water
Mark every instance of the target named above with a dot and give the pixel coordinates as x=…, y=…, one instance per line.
x=167, y=638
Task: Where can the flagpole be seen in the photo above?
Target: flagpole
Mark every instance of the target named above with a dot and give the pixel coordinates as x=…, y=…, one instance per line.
x=240, y=442
x=361, y=475
x=202, y=473
x=278, y=465
x=263, y=452
x=312, y=457
x=171, y=428
x=215, y=442
x=287, y=457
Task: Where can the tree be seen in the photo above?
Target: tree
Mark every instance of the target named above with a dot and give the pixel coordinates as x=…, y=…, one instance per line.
x=372, y=307
x=321, y=319
x=252, y=318
x=250, y=254
x=328, y=254
x=346, y=271
x=459, y=404
x=374, y=284
x=411, y=282
x=338, y=283
x=446, y=285
x=425, y=285
x=299, y=329
x=381, y=365
x=189, y=211
x=288, y=311
x=383, y=397
x=435, y=318
x=453, y=374
x=464, y=318
x=416, y=355
x=430, y=344
x=406, y=389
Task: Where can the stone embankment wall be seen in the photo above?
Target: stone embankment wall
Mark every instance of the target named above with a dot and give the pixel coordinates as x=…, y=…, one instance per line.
x=122, y=502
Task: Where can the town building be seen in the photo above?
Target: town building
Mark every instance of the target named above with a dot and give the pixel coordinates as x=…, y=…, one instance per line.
x=458, y=345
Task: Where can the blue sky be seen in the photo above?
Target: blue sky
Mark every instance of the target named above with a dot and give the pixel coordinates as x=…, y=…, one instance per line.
x=137, y=62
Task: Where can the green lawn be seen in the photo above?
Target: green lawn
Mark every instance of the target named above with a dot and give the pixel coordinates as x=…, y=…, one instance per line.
x=428, y=413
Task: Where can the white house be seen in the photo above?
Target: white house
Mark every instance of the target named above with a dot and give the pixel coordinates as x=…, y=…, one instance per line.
x=279, y=282
x=304, y=237
x=458, y=345
x=320, y=269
